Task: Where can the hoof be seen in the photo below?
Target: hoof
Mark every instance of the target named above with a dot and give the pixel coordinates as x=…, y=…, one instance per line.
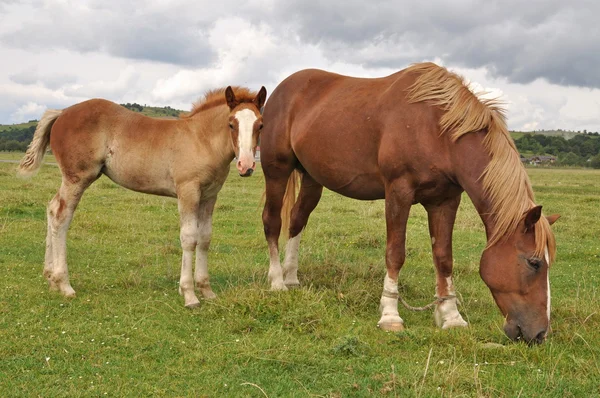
x=278, y=287
x=455, y=323
x=391, y=326
x=293, y=285
x=208, y=294
x=391, y=323
x=67, y=291
x=193, y=304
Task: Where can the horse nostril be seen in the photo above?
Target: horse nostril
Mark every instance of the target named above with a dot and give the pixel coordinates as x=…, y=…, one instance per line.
x=541, y=336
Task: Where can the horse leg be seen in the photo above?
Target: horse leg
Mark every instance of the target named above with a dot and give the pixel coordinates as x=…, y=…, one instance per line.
x=60, y=213
x=308, y=198
x=188, y=197
x=48, y=258
x=276, y=182
x=398, y=200
x=441, y=222
x=201, y=278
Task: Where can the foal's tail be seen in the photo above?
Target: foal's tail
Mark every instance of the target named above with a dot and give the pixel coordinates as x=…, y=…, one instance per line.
x=32, y=160
x=289, y=199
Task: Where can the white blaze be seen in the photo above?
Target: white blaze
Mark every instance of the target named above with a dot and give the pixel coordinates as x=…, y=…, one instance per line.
x=246, y=119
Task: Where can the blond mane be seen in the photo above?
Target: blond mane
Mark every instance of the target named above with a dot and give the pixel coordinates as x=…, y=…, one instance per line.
x=216, y=97
x=505, y=181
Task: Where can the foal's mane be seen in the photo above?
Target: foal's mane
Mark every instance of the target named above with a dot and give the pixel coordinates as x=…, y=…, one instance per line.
x=216, y=97
x=505, y=181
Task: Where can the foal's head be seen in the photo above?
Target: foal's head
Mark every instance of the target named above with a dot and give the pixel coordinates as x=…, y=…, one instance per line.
x=245, y=124
x=517, y=275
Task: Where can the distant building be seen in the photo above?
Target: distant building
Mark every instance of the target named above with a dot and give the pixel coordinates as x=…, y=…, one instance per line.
x=542, y=159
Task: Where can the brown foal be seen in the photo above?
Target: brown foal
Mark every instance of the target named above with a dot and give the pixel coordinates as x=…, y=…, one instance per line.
x=187, y=158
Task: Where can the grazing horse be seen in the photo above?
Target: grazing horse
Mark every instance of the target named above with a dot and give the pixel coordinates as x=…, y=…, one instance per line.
x=187, y=158
x=417, y=136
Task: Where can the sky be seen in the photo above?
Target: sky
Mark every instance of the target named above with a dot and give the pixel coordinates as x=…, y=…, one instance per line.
x=542, y=58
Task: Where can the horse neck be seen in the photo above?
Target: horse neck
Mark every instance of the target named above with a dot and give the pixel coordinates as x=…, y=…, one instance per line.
x=470, y=159
x=213, y=124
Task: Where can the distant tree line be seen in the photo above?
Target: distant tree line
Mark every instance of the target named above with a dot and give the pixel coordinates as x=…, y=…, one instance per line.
x=581, y=150
x=16, y=139
x=166, y=111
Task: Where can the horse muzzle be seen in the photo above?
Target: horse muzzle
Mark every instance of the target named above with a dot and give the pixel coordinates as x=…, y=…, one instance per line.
x=248, y=173
x=516, y=333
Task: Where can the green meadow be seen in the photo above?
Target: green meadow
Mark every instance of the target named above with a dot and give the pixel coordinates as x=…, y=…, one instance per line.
x=127, y=332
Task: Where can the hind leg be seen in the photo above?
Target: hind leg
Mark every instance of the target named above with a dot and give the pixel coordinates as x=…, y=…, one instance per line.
x=276, y=181
x=49, y=256
x=60, y=213
x=441, y=221
x=308, y=198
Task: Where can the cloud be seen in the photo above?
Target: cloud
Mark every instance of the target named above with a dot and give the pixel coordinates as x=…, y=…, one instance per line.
x=118, y=28
x=52, y=81
x=553, y=40
x=29, y=111
x=105, y=89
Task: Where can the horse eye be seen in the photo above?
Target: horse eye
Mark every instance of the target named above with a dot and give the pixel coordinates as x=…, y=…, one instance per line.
x=534, y=263
x=260, y=127
x=230, y=125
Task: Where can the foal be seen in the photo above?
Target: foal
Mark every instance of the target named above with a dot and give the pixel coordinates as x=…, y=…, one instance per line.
x=186, y=158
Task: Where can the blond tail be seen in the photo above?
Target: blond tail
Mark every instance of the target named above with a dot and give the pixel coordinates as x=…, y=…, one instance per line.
x=289, y=199
x=32, y=160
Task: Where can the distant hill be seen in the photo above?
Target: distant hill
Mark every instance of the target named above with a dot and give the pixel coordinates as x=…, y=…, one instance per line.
x=153, y=111
x=566, y=134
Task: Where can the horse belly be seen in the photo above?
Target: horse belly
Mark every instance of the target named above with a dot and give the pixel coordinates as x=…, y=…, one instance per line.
x=145, y=177
x=358, y=178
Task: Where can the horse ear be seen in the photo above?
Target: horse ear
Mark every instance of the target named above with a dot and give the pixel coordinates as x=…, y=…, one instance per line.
x=552, y=219
x=260, y=98
x=232, y=102
x=532, y=217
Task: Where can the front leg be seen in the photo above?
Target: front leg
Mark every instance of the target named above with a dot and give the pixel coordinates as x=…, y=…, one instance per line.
x=398, y=200
x=188, y=202
x=201, y=277
x=441, y=219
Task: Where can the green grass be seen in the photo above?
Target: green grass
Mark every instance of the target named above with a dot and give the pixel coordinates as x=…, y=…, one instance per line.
x=128, y=334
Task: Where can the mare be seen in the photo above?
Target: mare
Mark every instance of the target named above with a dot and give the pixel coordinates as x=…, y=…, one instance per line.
x=417, y=136
x=188, y=158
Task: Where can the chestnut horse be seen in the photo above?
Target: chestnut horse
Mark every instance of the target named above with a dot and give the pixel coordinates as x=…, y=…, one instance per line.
x=187, y=158
x=417, y=136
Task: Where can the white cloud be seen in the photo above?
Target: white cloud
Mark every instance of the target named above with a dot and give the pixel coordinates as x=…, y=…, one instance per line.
x=27, y=112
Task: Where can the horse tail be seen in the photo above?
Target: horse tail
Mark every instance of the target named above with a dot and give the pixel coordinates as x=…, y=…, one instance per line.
x=32, y=160
x=289, y=199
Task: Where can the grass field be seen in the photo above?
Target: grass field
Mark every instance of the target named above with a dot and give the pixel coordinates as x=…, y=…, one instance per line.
x=128, y=334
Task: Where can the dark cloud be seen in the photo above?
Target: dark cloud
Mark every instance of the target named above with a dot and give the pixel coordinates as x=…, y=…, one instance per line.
x=51, y=81
x=521, y=41
x=119, y=29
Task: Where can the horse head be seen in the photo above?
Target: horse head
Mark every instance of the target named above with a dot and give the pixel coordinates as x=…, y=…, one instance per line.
x=519, y=280
x=245, y=123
